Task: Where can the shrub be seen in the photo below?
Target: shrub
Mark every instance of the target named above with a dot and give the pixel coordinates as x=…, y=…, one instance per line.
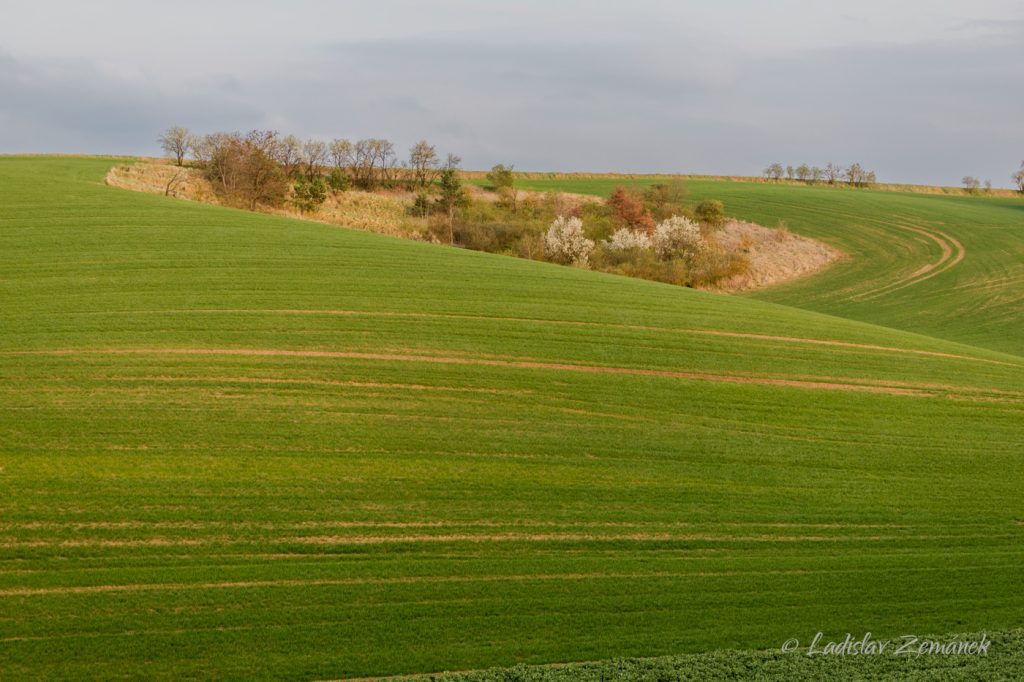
x=641, y=263
x=782, y=231
x=339, y=181
x=710, y=212
x=308, y=195
x=598, y=222
x=565, y=242
x=500, y=177
x=665, y=199
x=709, y=266
x=496, y=237
x=678, y=237
x=420, y=206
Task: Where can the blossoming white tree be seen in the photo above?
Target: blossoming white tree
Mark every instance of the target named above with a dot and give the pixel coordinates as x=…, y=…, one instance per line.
x=566, y=243
x=625, y=239
x=678, y=236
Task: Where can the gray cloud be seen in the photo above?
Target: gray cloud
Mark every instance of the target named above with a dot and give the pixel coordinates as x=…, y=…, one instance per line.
x=662, y=87
x=59, y=106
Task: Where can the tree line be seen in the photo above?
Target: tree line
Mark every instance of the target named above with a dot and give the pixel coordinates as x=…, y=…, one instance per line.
x=854, y=174
x=857, y=176
x=973, y=185
x=261, y=166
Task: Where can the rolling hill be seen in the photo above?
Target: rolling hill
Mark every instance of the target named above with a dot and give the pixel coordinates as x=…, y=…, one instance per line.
x=240, y=446
x=946, y=266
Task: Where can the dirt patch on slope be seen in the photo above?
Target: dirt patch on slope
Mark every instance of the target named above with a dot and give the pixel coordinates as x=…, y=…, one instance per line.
x=163, y=178
x=368, y=211
x=775, y=255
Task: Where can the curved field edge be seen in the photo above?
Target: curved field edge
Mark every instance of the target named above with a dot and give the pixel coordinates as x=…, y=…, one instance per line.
x=1003, y=661
x=944, y=266
x=223, y=433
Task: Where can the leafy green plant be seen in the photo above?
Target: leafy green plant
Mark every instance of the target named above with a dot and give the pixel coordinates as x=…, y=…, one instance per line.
x=339, y=181
x=710, y=212
x=308, y=195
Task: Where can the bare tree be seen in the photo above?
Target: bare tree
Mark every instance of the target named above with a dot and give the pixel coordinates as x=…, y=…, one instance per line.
x=341, y=153
x=171, y=188
x=1018, y=178
x=423, y=161
x=803, y=172
x=774, y=172
x=314, y=156
x=202, y=148
x=816, y=174
x=175, y=143
x=244, y=170
x=288, y=153
x=362, y=163
x=854, y=174
x=384, y=160
x=971, y=184
x=263, y=177
x=832, y=173
x=452, y=162
x=373, y=162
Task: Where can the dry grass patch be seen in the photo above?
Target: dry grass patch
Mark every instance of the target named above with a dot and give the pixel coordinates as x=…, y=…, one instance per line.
x=163, y=178
x=775, y=256
x=368, y=211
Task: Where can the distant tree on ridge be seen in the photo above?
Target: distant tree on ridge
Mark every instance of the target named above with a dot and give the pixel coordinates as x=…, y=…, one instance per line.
x=176, y=142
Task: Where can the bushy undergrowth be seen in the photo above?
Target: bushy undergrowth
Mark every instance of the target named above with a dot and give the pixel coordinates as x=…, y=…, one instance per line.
x=676, y=251
x=621, y=236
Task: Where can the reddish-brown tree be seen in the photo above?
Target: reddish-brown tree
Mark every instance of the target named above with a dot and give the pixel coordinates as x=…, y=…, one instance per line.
x=628, y=208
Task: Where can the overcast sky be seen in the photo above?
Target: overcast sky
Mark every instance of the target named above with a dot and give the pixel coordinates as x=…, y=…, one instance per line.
x=919, y=90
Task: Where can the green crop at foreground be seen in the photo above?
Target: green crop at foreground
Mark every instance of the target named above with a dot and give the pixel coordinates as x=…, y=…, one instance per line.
x=918, y=659
x=238, y=446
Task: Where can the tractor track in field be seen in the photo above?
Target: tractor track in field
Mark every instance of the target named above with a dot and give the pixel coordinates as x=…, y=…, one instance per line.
x=952, y=254
x=896, y=388
x=438, y=579
x=478, y=523
x=360, y=540
x=584, y=323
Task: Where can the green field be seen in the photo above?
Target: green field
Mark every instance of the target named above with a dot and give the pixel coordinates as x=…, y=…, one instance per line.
x=240, y=446
x=946, y=266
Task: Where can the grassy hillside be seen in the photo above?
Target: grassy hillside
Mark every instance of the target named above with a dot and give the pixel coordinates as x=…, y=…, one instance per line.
x=240, y=446
x=948, y=266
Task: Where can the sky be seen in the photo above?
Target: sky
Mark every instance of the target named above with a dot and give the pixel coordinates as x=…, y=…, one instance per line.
x=923, y=91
